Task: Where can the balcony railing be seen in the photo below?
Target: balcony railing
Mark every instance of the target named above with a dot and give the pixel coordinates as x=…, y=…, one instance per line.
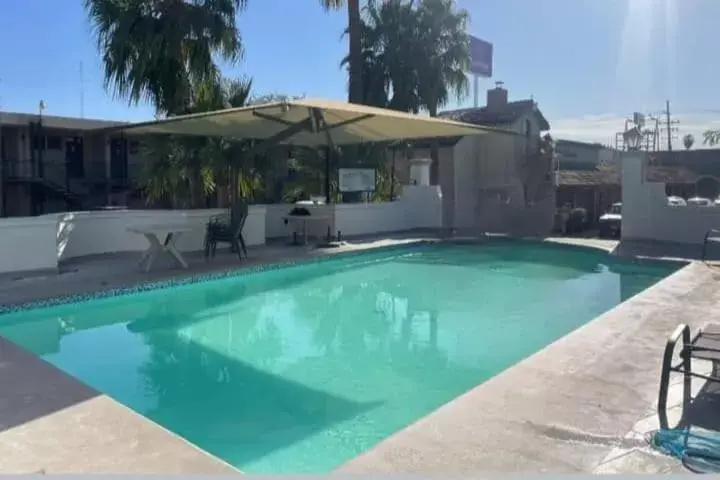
x=56, y=174
x=54, y=171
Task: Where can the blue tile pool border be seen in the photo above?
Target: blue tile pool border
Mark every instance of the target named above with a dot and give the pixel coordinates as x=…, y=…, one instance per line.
x=241, y=271
x=233, y=272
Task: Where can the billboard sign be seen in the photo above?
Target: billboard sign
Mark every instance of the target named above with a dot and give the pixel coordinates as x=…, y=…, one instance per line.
x=481, y=57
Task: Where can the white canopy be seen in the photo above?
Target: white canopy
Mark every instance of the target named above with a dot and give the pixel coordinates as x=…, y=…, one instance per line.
x=310, y=123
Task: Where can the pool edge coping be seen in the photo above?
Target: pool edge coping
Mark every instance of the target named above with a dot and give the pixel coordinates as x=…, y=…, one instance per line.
x=322, y=256
x=193, y=278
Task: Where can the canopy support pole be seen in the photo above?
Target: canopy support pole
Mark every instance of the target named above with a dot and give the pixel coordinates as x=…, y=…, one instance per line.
x=321, y=124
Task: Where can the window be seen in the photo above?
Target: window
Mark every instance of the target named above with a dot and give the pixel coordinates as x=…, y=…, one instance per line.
x=134, y=147
x=53, y=142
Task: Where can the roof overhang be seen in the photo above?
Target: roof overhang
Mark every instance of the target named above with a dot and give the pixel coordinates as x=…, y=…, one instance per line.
x=309, y=123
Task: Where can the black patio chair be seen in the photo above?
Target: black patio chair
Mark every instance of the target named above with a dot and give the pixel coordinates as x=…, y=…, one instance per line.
x=705, y=345
x=711, y=236
x=226, y=228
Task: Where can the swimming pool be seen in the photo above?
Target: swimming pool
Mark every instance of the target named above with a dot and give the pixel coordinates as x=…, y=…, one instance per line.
x=299, y=369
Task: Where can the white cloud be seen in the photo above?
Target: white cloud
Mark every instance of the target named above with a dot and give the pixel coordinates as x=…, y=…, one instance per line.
x=602, y=128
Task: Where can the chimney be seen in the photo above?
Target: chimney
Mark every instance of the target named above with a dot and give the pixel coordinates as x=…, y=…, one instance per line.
x=497, y=97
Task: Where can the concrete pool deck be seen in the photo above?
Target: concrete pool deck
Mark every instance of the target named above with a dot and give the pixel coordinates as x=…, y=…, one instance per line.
x=575, y=407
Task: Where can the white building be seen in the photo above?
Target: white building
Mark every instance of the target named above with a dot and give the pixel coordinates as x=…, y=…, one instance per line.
x=501, y=181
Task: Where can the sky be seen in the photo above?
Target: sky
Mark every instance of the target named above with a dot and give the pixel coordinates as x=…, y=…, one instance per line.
x=588, y=64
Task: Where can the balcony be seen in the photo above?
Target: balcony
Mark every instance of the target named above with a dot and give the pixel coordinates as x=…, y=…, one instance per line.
x=57, y=176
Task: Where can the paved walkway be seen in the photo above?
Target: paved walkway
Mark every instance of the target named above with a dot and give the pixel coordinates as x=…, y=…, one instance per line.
x=51, y=423
x=103, y=272
x=599, y=243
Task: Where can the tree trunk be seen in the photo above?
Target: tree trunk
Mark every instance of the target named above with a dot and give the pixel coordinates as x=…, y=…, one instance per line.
x=233, y=180
x=434, y=153
x=355, y=84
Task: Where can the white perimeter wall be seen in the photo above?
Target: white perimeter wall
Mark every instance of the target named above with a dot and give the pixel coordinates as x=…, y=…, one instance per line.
x=28, y=243
x=646, y=216
x=38, y=243
x=90, y=233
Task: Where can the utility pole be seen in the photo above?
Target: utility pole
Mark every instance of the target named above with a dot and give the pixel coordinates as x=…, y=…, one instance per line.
x=670, y=125
x=82, y=92
x=656, y=139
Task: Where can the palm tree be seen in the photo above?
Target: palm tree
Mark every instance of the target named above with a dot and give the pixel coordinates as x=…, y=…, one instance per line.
x=688, y=141
x=389, y=56
x=415, y=54
x=445, y=58
x=711, y=137
x=443, y=54
x=184, y=171
x=157, y=49
x=354, y=30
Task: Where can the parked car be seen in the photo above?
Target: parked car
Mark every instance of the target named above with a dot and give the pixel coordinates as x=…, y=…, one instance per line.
x=700, y=202
x=611, y=222
x=676, y=201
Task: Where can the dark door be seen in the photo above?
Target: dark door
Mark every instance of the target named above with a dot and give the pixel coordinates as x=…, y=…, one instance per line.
x=118, y=160
x=74, y=158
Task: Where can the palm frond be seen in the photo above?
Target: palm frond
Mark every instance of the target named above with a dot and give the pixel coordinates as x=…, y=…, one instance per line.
x=157, y=49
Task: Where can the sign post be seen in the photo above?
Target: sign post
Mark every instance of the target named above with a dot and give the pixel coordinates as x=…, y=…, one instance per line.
x=481, y=64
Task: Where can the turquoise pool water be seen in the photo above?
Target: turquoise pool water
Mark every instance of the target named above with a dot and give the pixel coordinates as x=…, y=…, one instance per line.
x=299, y=369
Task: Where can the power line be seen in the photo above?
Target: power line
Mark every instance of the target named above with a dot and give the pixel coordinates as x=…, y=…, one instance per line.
x=669, y=126
x=661, y=129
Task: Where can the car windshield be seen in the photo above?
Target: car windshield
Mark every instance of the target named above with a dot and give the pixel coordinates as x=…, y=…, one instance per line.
x=616, y=209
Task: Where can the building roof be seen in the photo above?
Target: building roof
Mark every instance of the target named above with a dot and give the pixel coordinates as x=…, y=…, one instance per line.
x=684, y=166
x=575, y=143
x=18, y=119
x=588, y=178
x=680, y=167
x=505, y=115
x=678, y=175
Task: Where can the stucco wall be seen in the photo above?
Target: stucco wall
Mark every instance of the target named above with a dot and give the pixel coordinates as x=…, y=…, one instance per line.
x=487, y=193
x=89, y=233
x=648, y=217
x=38, y=243
x=360, y=218
x=28, y=243
x=467, y=160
